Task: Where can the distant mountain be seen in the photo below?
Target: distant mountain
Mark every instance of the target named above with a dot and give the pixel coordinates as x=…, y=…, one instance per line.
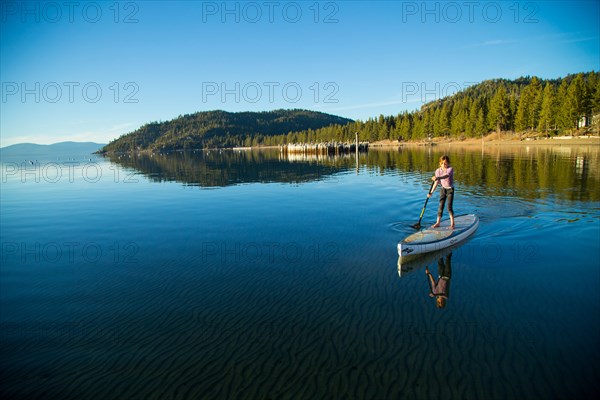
x=48, y=151
x=211, y=129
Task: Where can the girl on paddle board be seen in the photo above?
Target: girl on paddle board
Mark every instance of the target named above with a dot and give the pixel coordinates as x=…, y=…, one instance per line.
x=444, y=175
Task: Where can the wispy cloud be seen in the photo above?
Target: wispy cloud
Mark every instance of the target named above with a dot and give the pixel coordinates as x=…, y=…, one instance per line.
x=583, y=39
x=567, y=37
x=495, y=42
x=121, y=127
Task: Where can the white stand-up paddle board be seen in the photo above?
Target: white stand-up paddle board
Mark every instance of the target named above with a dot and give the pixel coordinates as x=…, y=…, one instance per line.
x=433, y=239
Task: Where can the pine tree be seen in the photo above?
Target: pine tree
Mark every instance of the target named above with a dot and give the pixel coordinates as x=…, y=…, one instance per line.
x=525, y=104
x=594, y=85
x=382, y=129
x=480, y=128
x=499, y=110
x=418, y=132
x=397, y=124
x=576, y=103
x=437, y=122
x=405, y=127
x=472, y=122
x=547, y=118
x=535, y=92
x=513, y=106
x=445, y=119
x=427, y=123
x=595, y=102
x=395, y=131
x=457, y=124
x=562, y=108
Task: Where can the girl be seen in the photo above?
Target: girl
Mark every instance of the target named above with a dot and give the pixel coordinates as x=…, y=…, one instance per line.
x=445, y=176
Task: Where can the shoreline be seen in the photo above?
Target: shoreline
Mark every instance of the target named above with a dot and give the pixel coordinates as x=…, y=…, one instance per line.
x=491, y=140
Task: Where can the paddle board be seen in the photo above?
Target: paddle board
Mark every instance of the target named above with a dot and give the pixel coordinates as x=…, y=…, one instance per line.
x=434, y=239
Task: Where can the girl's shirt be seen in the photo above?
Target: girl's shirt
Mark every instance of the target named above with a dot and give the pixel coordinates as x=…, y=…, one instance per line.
x=440, y=288
x=446, y=182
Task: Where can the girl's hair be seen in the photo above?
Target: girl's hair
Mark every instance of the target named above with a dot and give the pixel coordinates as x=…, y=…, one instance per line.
x=444, y=158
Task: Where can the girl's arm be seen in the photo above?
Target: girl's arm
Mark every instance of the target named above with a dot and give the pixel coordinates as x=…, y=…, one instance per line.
x=433, y=188
x=430, y=281
x=448, y=175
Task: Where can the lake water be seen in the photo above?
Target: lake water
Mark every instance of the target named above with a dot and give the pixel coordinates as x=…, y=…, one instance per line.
x=246, y=274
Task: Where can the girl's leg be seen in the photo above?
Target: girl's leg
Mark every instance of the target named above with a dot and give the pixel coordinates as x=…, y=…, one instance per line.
x=450, y=196
x=440, y=208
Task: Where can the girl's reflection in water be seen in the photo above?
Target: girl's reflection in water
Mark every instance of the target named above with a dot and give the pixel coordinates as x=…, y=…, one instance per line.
x=440, y=289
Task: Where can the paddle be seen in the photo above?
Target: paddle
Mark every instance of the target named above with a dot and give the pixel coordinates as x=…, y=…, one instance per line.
x=418, y=224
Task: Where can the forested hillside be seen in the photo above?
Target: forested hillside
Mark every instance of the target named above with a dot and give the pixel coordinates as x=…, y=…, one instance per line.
x=524, y=105
x=220, y=129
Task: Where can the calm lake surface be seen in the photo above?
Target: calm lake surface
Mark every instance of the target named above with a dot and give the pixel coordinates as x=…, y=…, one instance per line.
x=245, y=274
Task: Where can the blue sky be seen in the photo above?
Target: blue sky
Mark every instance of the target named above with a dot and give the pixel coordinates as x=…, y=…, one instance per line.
x=92, y=71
